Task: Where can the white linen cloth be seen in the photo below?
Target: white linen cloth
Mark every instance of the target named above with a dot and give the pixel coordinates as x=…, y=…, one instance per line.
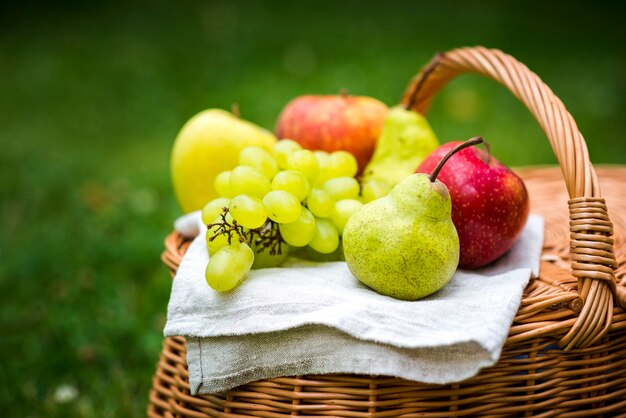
x=317, y=318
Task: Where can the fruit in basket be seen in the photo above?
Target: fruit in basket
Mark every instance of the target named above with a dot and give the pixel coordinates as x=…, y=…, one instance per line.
x=305, y=162
x=213, y=209
x=249, y=211
x=326, y=237
x=320, y=203
x=405, y=141
x=300, y=232
x=489, y=202
x=282, y=207
x=343, y=211
x=372, y=189
x=264, y=259
x=342, y=188
x=268, y=204
x=208, y=144
x=336, y=255
x=405, y=245
x=229, y=266
x=334, y=122
x=293, y=182
x=269, y=248
x=248, y=180
x=260, y=159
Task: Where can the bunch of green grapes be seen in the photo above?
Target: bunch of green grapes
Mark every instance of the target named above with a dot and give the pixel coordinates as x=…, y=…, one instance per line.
x=291, y=197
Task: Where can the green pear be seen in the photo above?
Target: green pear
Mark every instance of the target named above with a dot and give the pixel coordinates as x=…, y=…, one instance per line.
x=405, y=245
x=208, y=144
x=405, y=141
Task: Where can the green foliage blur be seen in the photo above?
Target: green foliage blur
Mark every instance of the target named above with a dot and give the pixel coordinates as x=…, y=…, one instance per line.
x=93, y=94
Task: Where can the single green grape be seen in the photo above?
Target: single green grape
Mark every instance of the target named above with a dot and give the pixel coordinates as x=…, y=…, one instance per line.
x=326, y=239
x=336, y=255
x=228, y=266
x=322, y=158
x=342, y=164
x=260, y=159
x=292, y=182
x=213, y=209
x=248, y=211
x=305, y=162
x=248, y=180
x=342, y=188
x=222, y=184
x=300, y=232
x=215, y=244
x=320, y=203
x=342, y=212
x=264, y=259
x=282, y=206
x=283, y=149
x=373, y=189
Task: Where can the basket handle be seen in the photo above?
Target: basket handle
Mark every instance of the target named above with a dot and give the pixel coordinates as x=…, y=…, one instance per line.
x=593, y=260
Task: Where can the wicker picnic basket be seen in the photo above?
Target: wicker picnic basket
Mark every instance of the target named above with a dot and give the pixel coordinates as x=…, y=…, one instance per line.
x=566, y=350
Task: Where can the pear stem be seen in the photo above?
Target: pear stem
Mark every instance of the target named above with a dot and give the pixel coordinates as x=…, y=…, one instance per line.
x=472, y=141
x=343, y=92
x=234, y=109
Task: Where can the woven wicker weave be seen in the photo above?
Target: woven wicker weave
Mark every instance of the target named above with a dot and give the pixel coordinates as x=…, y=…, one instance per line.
x=566, y=350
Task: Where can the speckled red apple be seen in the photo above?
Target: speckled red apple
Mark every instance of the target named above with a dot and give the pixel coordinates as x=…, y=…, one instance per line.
x=334, y=122
x=489, y=202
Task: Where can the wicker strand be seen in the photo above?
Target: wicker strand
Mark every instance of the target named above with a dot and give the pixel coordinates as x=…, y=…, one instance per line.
x=592, y=256
x=591, y=243
x=571, y=152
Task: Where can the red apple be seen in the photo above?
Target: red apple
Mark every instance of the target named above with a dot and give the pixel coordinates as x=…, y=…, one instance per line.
x=334, y=122
x=489, y=202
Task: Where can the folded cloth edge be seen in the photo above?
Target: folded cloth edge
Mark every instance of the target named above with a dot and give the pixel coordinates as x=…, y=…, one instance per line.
x=430, y=366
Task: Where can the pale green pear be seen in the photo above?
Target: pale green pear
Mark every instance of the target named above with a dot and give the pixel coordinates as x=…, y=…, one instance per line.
x=404, y=245
x=405, y=141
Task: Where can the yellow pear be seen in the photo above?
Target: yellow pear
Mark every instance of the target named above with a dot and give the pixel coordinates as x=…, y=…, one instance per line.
x=208, y=144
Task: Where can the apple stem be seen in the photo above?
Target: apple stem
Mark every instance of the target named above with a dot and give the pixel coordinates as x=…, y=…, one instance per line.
x=234, y=108
x=343, y=92
x=425, y=74
x=472, y=141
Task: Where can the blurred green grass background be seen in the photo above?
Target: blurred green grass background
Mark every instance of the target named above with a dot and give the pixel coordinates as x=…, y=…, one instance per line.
x=92, y=96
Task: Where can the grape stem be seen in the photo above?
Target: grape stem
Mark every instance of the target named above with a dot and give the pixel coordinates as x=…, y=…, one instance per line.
x=268, y=235
x=225, y=227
